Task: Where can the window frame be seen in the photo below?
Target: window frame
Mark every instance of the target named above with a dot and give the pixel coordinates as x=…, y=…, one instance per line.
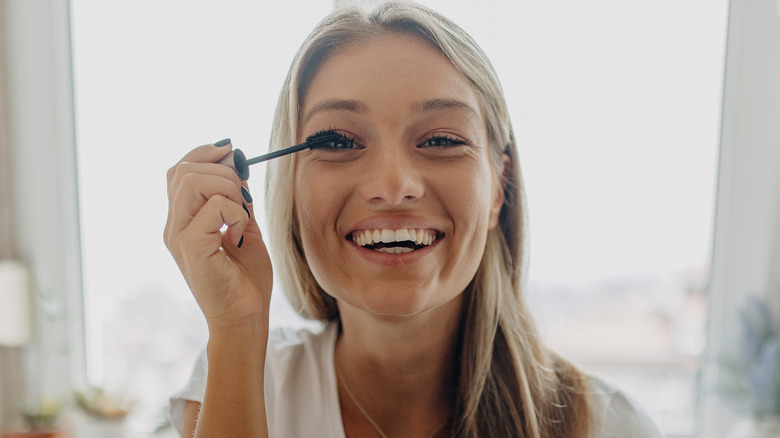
x=746, y=240
x=45, y=218
x=44, y=207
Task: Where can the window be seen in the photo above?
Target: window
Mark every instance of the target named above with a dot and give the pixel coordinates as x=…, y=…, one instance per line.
x=152, y=81
x=616, y=111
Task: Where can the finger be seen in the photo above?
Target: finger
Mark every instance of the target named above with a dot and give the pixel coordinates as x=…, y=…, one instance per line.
x=252, y=231
x=190, y=173
x=202, y=237
x=252, y=256
x=203, y=154
x=210, y=153
x=201, y=181
x=194, y=192
x=185, y=169
x=248, y=199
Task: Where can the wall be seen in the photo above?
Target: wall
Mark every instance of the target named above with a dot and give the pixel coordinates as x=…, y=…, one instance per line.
x=38, y=153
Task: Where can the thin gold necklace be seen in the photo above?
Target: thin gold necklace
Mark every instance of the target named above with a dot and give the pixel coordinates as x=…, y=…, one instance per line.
x=363, y=411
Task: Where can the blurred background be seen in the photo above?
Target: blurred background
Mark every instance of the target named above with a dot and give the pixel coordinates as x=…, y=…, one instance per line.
x=647, y=134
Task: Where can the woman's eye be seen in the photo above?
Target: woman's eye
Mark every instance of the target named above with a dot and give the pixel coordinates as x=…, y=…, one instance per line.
x=443, y=141
x=341, y=143
x=330, y=139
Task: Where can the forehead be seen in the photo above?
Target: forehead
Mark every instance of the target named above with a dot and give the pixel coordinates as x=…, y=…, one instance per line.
x=388, y=71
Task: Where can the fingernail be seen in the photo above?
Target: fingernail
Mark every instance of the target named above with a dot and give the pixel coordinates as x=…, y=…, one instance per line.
x=222, y=142
x=246, y=195
x=241, y=242
x=246, y=210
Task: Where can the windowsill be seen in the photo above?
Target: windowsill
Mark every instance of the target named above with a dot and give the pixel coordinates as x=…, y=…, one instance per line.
x=716, y=419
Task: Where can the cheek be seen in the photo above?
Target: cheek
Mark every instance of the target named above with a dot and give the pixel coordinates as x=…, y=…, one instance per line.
x=471, y=196
x=305, y=210
x=309, y=217
x=317, y=213
x=311, y=207
x=307, y=190
x=317, y=206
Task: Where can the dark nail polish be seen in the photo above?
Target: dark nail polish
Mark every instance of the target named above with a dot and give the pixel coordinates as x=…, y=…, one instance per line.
x=222, y=142
x=246, y=210
x=246, y=195
x=241, y=242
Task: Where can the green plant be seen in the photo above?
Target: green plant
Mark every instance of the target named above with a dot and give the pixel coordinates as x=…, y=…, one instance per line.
x=96, y=402
x=41, y=415
x=751, y=382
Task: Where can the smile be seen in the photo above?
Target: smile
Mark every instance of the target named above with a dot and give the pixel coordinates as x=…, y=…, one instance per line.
x=394, y=241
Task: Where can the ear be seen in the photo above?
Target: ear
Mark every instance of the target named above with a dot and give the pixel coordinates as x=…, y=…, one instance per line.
x=498, y=200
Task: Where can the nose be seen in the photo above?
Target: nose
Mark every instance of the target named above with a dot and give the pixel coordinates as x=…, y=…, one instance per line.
x=393, y=178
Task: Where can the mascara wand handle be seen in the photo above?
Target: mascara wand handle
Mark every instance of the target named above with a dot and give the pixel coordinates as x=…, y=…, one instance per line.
x=237, y=161
x=278, y=153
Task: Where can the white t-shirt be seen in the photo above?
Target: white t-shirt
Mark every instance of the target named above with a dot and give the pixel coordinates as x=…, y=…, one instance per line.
x=302, y=397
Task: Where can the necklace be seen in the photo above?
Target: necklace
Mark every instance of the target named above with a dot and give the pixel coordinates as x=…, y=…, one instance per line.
x=363, y=411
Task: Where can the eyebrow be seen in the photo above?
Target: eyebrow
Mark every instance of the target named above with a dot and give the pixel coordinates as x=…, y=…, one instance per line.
x=339, y=105
x=440, y=104
x=358, y=107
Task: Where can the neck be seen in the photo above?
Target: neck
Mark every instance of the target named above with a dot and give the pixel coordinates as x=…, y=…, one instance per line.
x=400, y=369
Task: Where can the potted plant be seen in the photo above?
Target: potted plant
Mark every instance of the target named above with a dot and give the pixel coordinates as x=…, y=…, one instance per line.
x=751, y=383
x=104, y=413
x=41, y=420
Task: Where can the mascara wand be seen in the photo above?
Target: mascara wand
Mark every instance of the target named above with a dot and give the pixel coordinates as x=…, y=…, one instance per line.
x=238, y=161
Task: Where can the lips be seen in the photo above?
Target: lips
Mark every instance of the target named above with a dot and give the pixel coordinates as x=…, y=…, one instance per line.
x=394, y=241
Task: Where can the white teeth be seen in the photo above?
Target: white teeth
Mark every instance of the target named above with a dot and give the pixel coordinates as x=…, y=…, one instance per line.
x=395, y=250
x=401, y=235
x=388, y=236
x=371, y=237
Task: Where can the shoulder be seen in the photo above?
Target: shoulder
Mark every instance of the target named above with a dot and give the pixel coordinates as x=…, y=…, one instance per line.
x=291, y=349
x=291, y=340
x=300, y=378
x=298, y=375
x=615, y=414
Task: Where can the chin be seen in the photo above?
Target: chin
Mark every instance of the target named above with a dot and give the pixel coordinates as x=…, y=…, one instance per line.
x=395, y=305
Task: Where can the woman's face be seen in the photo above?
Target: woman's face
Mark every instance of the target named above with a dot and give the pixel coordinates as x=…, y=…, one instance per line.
x=394, y=217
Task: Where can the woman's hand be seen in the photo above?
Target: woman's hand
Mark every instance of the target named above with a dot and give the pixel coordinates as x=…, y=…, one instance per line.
x=228, y=272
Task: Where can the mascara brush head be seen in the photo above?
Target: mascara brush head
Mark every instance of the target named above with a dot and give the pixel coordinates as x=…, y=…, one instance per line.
x=321, y=138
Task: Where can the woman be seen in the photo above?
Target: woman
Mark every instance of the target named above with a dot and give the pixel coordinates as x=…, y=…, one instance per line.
x=405, y=236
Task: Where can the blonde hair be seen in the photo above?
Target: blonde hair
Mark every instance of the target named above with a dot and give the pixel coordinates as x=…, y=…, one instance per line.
x=509, y=383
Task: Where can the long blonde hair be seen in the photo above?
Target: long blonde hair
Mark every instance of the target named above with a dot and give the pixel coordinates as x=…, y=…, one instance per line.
x=509, y=384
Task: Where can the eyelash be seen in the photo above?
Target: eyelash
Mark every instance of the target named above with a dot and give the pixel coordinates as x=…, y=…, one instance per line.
x=451, y=141
x=342, y=138
x=448, y=140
